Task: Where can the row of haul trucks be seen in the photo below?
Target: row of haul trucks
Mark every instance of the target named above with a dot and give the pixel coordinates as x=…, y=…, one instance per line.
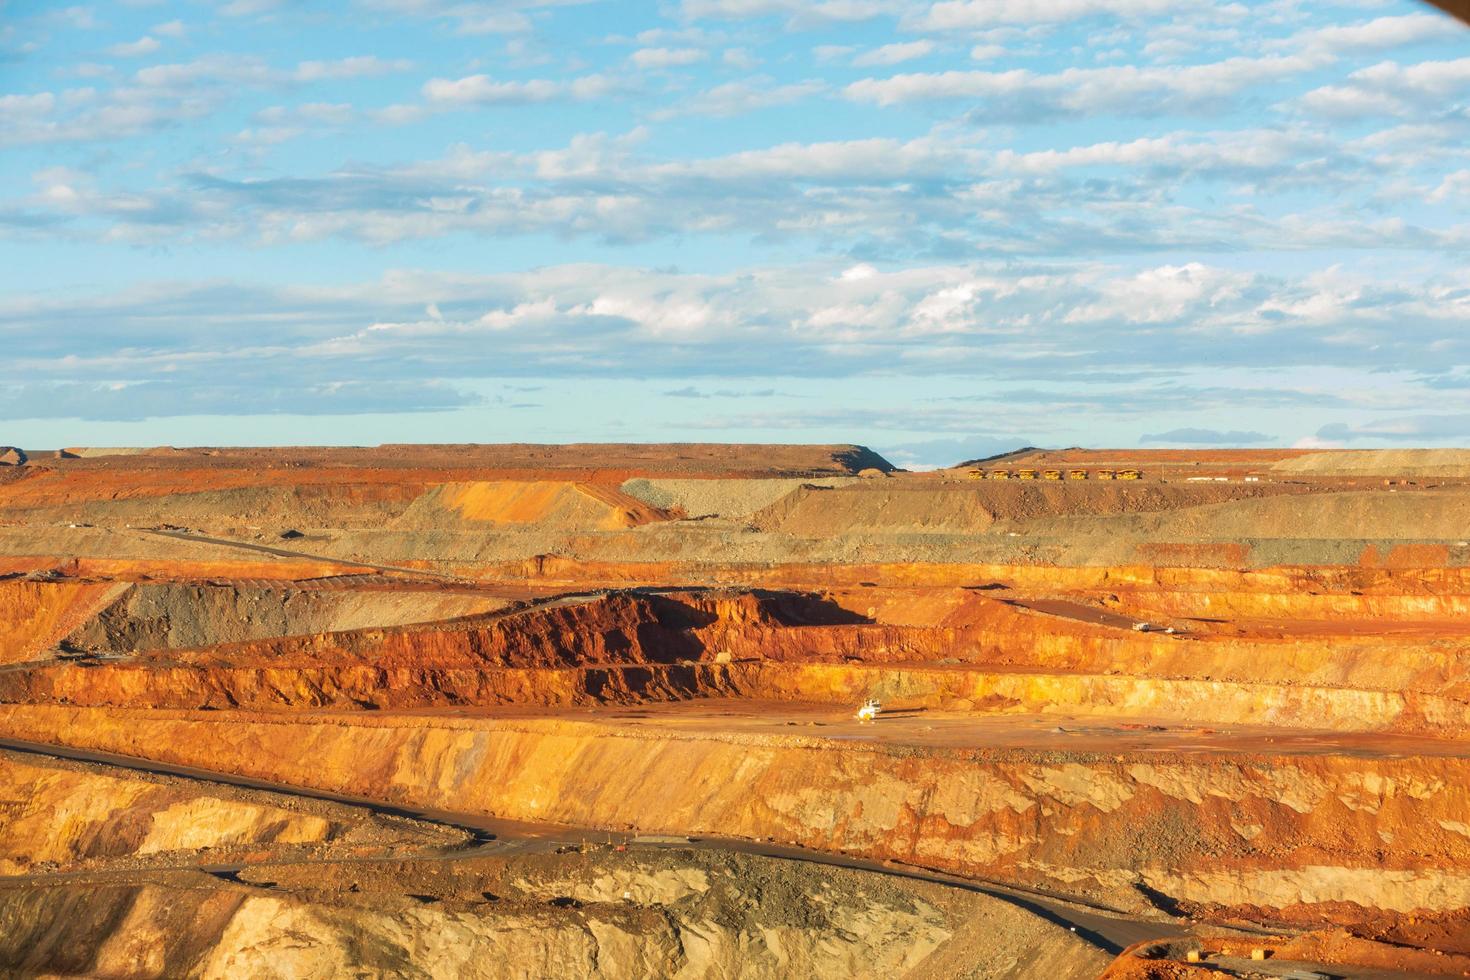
x=1056, y=474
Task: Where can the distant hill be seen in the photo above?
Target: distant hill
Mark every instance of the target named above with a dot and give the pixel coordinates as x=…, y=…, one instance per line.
x=1013, y=454
x=699, y=459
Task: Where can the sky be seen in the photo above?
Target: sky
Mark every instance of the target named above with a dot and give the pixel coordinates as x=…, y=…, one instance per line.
x=939, y=229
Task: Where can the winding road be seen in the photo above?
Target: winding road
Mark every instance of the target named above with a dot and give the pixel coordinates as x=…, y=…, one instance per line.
x=1106, y=930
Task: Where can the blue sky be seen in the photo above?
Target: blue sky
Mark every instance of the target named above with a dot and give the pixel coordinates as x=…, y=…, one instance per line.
x=939, y=229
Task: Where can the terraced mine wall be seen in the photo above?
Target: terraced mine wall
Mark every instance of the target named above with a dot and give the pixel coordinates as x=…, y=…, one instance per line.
x=1344, y=834
x=959, y=650
x=1103, y=696
x=1352, y=581
x=972, y=691
x=1322, y=824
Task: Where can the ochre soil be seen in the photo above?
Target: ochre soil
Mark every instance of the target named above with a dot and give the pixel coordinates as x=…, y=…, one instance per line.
x=1335, y=952
x=1184, y=702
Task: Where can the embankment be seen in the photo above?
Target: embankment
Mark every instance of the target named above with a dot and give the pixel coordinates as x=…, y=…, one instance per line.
x=169, y=615
x=677, y=914
x=61, y=816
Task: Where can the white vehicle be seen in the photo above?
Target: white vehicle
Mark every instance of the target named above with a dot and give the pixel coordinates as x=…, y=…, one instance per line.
x=869, y=709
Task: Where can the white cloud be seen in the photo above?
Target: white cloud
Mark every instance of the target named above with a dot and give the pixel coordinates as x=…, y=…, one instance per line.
x=278, y=124
x=1126, y=89
x=249, y=8
x=1392, y=89
x=92, y=69
x=741, y=58
x=881, y=198
x=1454, y=188
x=1436, y=79
x=164, y=95
x=81, y=18
x=20, y=107
x=868, y=160
x=1415, y=429
x=1348, y=102
x=483, y=90
x=1177, y=40
x=656, y=58
x=1262, y=157
x=1163, y=295
x=172, y=29
x=1315, y=442
x=1378, y=34
x=334, y=113
x=738, y=98
x=970, y=14
x=893, y=54
x=144, y=45
x=210, y=70
x=229, y=70
x=1040, y=322
x=832, y=52
x=469, y=17
x=796, y=12
x=364, y=66
x=688, y=36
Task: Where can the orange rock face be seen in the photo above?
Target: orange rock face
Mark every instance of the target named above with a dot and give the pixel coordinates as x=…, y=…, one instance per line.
x=35, y=616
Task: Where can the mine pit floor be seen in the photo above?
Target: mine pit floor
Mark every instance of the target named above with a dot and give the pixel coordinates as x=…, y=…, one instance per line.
x=937, y=729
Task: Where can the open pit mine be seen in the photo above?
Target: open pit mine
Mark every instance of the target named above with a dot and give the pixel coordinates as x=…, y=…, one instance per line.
x=593, y=711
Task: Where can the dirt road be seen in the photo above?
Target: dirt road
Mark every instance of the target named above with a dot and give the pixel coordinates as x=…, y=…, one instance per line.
x=264, y=549
x=1105, y=930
